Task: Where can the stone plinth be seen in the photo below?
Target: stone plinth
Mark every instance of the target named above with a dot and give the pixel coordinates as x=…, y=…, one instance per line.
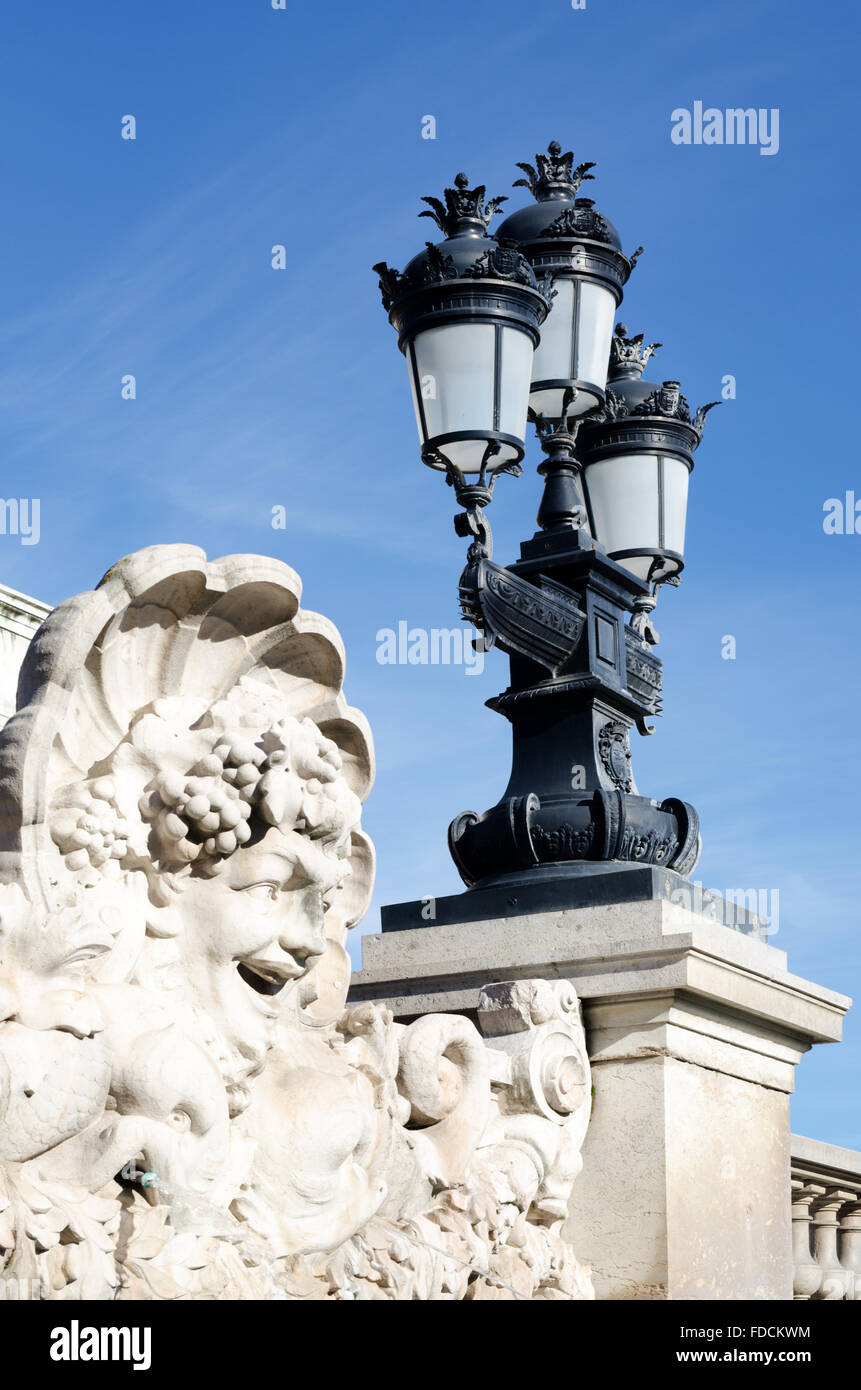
x=694, y=1031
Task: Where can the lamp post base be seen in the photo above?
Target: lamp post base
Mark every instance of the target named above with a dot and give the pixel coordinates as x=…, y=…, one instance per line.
x=567, y=888
x=573, y=836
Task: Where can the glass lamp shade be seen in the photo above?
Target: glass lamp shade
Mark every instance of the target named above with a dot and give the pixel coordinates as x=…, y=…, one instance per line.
x=574, y=347
x=637, y=504
x=470, y=385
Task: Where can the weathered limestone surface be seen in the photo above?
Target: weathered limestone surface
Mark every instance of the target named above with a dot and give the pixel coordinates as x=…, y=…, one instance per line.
x=188, y=1108
x=819, y=1159
x=685, y=1187
x=694, y=1031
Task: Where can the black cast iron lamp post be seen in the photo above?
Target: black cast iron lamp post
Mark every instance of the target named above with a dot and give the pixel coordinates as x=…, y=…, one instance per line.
x=467, y=311
x=568, y=241
x=573, y=613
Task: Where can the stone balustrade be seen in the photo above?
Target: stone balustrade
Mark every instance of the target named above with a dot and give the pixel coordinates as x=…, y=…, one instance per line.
x=826, y=1221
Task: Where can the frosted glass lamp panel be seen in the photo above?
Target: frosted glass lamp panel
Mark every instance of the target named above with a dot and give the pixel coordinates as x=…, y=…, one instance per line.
x=517, y=356
x=554, y=355
x=595, y=333
x=623, y=499
x=455, y=374
x=676, y=480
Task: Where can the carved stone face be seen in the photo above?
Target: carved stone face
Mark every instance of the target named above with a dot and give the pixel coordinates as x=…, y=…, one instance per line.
x=253, y=929
x=43, y=974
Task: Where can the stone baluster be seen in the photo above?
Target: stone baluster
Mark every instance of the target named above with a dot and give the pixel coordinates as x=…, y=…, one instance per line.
x=836, y=1280
x=850, y=1244
x=808, y=1275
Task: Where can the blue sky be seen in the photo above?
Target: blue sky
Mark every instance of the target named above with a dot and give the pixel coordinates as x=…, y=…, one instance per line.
x=258, y=388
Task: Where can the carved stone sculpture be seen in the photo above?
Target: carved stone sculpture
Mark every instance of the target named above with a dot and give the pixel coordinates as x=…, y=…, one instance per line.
x=188, y=1108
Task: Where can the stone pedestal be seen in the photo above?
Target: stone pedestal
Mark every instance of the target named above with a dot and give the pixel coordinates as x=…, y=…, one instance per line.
x=694, y=1031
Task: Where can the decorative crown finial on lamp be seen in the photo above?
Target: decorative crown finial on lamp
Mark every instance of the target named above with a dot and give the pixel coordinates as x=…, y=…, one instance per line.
x=627, y=355
x=463, y=208
x=555, y=177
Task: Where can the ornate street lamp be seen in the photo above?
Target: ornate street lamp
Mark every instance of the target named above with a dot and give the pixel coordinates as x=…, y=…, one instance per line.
x=467, y=312
x=636, y=455
x=578, y=249
x=573, y=612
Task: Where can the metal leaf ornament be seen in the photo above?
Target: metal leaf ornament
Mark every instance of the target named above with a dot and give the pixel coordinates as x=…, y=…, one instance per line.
x=462, y=203
x=699, y=419
x=553, y=168
x=439, y=213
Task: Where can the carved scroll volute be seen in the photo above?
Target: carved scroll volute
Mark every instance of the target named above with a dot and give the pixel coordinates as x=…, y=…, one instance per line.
x=444, y=1073
x=537, y=1024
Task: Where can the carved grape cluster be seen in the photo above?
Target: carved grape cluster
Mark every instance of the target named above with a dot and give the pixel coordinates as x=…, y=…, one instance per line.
x=89, y=831
x=207, y=812
x=282, y=775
